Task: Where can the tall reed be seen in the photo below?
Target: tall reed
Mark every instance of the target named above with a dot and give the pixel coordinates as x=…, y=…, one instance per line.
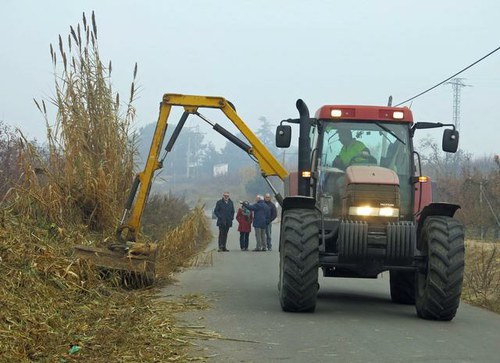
x=88, y=164
x=49, y=300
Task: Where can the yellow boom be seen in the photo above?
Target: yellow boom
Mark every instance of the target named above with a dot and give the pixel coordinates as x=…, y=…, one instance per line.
x=269, y=165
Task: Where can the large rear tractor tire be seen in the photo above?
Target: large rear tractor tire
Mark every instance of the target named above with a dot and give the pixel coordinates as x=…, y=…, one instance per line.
x=402, y=287
x=299, y=260
x=439, y=285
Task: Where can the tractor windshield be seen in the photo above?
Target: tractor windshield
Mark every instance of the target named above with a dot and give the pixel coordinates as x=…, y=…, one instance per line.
x=384, y=144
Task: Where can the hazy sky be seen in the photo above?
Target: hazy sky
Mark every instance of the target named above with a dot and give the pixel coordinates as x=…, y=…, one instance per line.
x=263, y=55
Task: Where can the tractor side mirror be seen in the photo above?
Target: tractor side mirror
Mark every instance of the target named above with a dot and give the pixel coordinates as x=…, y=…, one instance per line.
x=283, y=136
x=450, y=140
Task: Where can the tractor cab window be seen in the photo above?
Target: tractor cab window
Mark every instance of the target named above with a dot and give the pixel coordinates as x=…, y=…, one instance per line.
x=384, y=144
x=374, y=143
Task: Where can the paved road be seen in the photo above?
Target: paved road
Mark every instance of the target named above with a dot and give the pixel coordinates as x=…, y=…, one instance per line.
x=355, y=321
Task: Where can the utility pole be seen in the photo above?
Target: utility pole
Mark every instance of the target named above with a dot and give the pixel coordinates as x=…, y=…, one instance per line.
x=457, y=84
x=481, y=208
x=482, y=195
x=188, y=156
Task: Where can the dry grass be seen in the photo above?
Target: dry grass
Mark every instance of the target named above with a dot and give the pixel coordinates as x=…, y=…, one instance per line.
x=49, y=301
x=181, y=243
x=482, y=275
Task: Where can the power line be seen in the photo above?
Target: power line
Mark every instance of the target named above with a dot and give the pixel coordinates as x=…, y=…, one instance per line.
x=447, y=79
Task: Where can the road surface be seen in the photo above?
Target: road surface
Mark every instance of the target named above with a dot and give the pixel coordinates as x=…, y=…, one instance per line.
x=355, y=320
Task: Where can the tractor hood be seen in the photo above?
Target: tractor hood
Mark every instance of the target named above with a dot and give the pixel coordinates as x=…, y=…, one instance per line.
x=368, y=174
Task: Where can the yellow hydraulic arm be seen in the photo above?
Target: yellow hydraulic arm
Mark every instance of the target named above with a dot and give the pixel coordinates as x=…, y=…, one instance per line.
x=269, y=165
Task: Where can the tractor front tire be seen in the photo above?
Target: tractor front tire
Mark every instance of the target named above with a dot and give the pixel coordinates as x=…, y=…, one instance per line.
x=439, y=285
x=402, y=287
x=299, y=260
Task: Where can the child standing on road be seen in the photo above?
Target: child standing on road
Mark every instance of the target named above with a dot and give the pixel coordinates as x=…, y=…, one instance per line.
x=244, y=217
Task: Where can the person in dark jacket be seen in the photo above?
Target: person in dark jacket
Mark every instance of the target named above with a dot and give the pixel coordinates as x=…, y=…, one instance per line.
x=261, y=216
x=224, y=211
x=244, y=217
x=273, y=215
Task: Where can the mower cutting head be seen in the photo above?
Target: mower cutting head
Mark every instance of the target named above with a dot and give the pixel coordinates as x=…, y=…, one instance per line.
x=135, y=262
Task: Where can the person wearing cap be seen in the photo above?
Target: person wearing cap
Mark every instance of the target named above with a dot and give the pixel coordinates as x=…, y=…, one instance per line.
x=272, y=217
x=260, y=217
x=224, y=211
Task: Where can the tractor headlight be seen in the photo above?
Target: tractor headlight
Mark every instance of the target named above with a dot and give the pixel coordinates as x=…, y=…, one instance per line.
x=363, y=211
x=388, y=212
x=368, y=211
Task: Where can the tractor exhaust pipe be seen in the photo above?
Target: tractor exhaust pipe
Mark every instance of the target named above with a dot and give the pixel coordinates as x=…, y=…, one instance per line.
x=304, y=186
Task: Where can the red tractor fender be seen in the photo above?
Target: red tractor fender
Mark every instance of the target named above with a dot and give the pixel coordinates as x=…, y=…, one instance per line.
x=434, y=209
x=298, y=201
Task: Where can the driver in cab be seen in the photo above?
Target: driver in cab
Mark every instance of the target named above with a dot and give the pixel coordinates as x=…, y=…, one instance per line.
x=353, y=151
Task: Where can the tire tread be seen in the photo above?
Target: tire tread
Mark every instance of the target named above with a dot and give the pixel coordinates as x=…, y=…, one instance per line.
x=299, y=260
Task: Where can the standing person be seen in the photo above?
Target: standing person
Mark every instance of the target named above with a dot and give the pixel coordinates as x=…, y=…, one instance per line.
x=244, y=216
x=272, y=217
x=224, y=211
x=261, y=215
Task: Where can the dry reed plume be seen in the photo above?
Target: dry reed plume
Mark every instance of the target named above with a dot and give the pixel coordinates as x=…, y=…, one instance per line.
x=88, y=165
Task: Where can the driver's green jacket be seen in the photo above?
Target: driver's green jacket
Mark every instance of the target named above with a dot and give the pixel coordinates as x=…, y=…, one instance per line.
x=352, y=153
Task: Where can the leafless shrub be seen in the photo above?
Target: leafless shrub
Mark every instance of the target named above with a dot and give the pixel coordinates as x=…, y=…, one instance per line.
x=9, y=159
x=482, y=275
x=163, y=213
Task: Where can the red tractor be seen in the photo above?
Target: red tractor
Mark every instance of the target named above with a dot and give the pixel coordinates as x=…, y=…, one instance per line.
x=359, y=206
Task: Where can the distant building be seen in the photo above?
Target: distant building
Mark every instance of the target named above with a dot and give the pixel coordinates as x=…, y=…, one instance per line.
x=220, y=169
